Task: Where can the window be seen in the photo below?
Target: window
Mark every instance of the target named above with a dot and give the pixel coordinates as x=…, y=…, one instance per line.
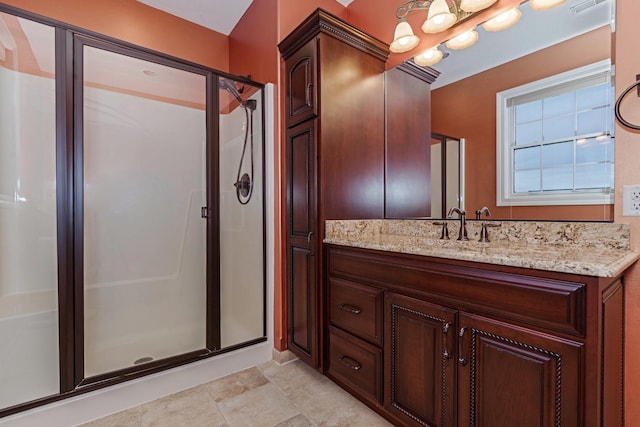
x=555, y=141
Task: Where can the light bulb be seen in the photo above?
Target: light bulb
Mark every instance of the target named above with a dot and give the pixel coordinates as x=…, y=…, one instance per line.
x=403, y=39
x=503, y=20
x=428, y=57
x=545, y=4
x=463, y=40
x=439, y=17
x=475, y=5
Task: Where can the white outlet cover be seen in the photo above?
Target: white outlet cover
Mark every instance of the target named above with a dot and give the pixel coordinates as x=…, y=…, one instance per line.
x=631, y=200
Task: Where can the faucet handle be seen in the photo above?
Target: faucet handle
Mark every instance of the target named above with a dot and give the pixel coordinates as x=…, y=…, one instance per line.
x=445, y=229
x=483, y=210
x=484, y=234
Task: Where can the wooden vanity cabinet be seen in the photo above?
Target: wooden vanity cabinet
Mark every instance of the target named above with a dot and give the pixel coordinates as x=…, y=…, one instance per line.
x=468, y=344
x=513, y=376
x=420, y=364
x=334, y=156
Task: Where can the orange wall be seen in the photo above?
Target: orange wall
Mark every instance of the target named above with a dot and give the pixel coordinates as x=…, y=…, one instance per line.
x=466, y=109
x=137, y=23
x=253, y=43
x=628, y=172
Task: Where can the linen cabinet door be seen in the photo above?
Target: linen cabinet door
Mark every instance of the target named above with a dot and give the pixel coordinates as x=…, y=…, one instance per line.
x=419, y=363
x=511, y=376
x=301, y=84
x=302, y=281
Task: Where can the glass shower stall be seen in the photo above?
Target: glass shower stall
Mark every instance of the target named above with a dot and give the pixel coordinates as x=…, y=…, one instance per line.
x=132, y=231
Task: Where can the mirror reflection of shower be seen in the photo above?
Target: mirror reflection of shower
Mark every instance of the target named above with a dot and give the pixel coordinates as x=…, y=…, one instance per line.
x=244, y=181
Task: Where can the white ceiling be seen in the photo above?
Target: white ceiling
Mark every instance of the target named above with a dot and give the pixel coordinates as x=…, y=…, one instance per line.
x=218, y=15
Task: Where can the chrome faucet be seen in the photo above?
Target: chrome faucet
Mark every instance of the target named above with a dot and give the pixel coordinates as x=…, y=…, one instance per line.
x=462, y=235
x=484, y=210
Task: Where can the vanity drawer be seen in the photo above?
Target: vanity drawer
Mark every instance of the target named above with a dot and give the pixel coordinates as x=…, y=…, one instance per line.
x=356, y=364
x=356, y=308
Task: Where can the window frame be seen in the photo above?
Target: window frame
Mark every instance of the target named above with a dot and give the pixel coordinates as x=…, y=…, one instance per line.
x=505, y=194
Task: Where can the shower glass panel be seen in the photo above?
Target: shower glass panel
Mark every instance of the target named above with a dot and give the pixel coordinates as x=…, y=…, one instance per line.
x=28, y=266
x=144, y=172
x=242, y=289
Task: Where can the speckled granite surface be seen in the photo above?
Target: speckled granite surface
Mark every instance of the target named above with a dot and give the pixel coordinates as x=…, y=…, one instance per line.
x=593, y=249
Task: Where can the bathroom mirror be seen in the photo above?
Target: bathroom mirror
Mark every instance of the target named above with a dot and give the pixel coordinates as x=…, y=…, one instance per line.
x=540, y=45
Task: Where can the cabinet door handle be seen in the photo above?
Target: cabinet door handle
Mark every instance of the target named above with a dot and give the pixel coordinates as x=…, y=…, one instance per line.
x=350, y=308
x=445, y=340
x=461, y=359
x=309, y=236
x=352, y=364
x=308, y=94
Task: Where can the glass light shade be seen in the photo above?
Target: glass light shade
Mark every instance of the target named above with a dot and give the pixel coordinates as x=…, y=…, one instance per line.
x=463, y=40
x=503, y=21
x=545, y=4
x=439, y=18
x=475, y=5
x=403, y=38
x=428, y=57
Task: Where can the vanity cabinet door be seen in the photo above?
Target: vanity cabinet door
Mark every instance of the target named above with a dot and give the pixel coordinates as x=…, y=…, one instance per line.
x=511, y=376
x=419, y=361
x=301, y=98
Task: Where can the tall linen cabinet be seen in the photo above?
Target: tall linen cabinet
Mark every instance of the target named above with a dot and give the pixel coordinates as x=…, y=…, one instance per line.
x=334, y=83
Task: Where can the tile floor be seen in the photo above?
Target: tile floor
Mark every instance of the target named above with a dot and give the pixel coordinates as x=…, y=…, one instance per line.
x=287, y=395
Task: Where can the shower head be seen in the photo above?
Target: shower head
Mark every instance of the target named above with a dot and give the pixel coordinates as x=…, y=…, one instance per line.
x=231, y=88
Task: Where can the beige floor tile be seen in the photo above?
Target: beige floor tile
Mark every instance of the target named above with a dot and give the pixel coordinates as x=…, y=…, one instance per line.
x=262, y=406
x=326, y=404
x=236, y=384
x=297, y=421
x=129, y=418
x=192, y=407
x=290, y=377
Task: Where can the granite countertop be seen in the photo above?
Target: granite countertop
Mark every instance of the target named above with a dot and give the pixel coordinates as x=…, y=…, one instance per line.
x=592, y=249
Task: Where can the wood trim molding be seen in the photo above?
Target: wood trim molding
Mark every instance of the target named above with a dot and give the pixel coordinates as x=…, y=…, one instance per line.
x=426, y=74
x=322, y=21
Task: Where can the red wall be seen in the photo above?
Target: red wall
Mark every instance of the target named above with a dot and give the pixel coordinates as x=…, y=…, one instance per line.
x=137, y=23
x=253, y=43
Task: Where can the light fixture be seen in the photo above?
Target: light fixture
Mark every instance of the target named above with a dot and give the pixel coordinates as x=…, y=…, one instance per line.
x=503, y=21
x=545, y=4
x=439, y=18
x=429, y=57
x=445, y=14
x=475, y=5
x=463, y=40
x=403, y=39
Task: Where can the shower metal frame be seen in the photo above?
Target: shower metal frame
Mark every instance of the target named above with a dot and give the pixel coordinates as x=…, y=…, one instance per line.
x=69, y=42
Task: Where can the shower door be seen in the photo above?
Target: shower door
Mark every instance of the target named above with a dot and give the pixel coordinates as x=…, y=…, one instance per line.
x=143, y=171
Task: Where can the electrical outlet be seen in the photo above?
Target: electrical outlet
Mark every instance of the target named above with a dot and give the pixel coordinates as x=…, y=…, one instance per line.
x=631, y=200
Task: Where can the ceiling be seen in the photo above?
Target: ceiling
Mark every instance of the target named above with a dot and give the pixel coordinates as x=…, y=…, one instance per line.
x=218, y=15
x=535, y=31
